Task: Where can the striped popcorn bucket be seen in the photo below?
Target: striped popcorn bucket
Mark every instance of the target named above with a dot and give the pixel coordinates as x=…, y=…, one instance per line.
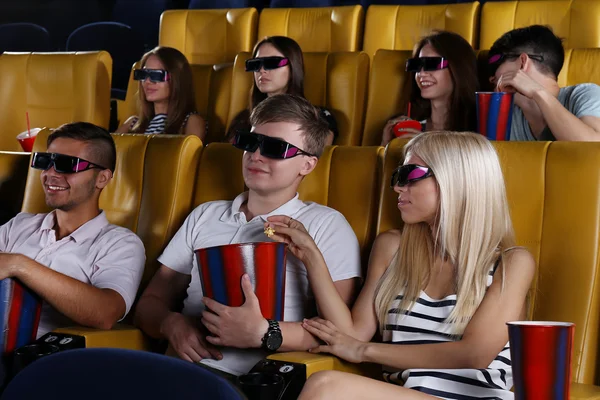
x=541, y=359
x=221, y=269
x=494, y=114
x=20, y=311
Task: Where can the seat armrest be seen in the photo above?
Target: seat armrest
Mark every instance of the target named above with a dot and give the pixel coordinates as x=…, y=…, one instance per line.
x=323, y=362
x=120, y=336
x=580, y=391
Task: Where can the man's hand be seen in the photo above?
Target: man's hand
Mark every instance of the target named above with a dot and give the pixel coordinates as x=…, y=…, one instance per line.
x=8, y=264
x=518, y=81
x=241, y=327
x=186, y=339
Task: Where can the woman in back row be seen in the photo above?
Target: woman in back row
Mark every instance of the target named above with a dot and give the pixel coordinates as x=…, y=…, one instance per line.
x=166, y=102
x=440, y=93
x=440, y=291
x=278, y=67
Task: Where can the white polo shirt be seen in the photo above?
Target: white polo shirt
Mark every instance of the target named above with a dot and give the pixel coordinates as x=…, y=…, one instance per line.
x=221, y=222
x=98, y=253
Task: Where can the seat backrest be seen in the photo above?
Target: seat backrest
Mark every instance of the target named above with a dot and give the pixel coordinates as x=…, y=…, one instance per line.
x=170, y=166
x=344, y=173
x=401, y=27
x=577, y=68
x=321, y=29
x=336, y=81
x=13, y=175
x=53, y=88
x=151, y=376
x=562, y=232
x=386, y=87
x=209, y=36
x=565, y=17
x=24, y=36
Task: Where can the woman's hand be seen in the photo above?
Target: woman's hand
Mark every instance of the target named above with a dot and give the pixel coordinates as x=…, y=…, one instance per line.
x=292, y=232
x=388, y=130
x=337, y=343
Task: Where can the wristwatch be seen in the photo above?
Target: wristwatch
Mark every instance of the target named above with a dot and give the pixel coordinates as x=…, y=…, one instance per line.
x=273, y=338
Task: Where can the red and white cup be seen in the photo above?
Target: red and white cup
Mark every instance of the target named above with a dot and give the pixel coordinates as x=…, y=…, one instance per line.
x=406, y=127
x=27, y=138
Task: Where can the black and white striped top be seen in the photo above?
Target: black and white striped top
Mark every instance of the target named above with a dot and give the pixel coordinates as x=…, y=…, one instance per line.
x=158, y=123
x=425, y=324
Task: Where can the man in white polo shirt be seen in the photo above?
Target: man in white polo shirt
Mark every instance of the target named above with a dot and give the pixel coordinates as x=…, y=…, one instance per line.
x=286, y=139
x=86, y=270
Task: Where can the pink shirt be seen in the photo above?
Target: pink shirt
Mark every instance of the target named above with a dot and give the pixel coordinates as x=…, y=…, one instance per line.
x=99, y=253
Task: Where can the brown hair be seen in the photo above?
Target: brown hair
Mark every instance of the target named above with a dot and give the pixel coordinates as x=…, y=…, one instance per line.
x=462, y=64
x=298, y=110
x=292, y=51
x=181, y=91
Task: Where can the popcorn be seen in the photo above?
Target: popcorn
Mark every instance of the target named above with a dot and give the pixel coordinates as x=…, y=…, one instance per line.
x=269, y=231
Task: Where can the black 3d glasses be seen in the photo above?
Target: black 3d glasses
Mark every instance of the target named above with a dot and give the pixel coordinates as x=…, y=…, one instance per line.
x=426, y=64
x=62, y=163
x=494, y=60
x=155, y=75
x=405, y=174
x=254, y=64
x=269, y=146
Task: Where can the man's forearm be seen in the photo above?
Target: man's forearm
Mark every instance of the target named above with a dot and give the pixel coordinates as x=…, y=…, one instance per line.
x=563, y=124
x=296, y=338
x=149, y=316
x=79, y=301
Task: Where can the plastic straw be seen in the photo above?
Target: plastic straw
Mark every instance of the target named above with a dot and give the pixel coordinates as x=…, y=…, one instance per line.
x=408, y=111
x=28, y=126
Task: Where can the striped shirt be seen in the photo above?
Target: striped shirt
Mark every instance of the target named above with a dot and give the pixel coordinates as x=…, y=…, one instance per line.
x=424, y=324
x=158, y=123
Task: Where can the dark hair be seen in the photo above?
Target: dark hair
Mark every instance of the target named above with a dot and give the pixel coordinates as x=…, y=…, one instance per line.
x=181, y=91
x=102, y=145
x=534, y=39
x=298, y=110
x=292, y=51
x=462, y=64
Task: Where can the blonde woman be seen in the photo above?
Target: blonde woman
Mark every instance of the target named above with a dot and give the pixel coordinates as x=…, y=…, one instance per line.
x=439, y=291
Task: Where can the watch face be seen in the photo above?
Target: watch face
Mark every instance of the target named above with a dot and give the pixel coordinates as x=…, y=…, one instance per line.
x=274, y=340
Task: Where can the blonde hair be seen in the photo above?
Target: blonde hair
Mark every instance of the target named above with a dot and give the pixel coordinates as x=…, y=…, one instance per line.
x=473, y=225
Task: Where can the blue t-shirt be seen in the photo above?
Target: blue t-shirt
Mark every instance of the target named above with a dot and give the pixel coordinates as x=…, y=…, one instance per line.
x=581, y=100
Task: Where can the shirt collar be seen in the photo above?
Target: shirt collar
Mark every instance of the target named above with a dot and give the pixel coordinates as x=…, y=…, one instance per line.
x=85, y=231
x=235, y=214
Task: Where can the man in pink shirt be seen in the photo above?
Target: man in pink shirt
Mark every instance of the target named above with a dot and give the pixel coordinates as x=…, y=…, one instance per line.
x=86, y=270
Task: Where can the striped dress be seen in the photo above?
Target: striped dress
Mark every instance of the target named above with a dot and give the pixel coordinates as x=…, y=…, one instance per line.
x=159, y=121
x=424, y=324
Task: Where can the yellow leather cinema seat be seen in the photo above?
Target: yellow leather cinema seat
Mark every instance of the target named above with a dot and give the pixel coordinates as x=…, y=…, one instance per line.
x=322, y=29
x=336, y=81
x=13, y=175
x=386, y=86
x=574, y=20
x=209, y=36
x=54, y=88
x=401, y=27
x=580, y=67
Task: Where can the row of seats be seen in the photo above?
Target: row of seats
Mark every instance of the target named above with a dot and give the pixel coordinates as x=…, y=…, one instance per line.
x=160, y=179
x=55, y=88
x=362, y=95
x=216, y=36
